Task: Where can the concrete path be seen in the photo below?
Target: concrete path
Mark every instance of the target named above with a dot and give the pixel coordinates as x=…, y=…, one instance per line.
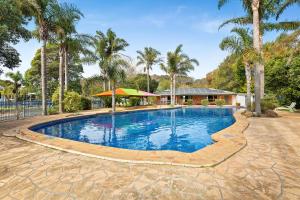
x=267, y=168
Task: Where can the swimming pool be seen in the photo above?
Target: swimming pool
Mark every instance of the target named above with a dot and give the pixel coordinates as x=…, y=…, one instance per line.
x=183, y=129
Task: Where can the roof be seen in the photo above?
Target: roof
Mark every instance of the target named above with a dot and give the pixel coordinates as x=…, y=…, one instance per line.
x=196, y=91
x=126, y=92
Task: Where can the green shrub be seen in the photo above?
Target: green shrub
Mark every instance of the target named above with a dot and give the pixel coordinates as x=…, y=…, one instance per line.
x=86, y=103
x=269, y=102
x=72, y=102
x=189, y=102
x=134, y=101
x=204, y=102
x=220, y=102
x=237, y=104
x=55, y=97
x=152, y=100
x=107, y=102
x=53, y=110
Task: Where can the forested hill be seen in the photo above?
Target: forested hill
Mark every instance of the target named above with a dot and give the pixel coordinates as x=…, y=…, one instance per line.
x=282, y=70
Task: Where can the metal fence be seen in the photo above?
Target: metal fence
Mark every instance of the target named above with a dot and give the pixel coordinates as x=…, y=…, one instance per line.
x=11, y=110
x=97, y=103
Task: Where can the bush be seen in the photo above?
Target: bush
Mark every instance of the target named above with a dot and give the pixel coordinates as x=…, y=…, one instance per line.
x=72, y=102
x=269, y=102
x=53, y=110
x=189, y=102
x=220, y=102
x=152, y=100
x=204, y=102
x=86, y=103
x=134, y=101
x=107, y=102
x=237, y=104
x=55, y=97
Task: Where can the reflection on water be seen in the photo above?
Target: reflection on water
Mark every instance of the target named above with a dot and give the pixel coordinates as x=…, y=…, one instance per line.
x=185, y=130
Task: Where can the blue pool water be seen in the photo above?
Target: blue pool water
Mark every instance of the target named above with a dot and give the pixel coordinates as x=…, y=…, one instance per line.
x=184, y=129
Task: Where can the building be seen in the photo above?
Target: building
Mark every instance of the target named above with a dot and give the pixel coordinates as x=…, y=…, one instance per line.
x=197, y=94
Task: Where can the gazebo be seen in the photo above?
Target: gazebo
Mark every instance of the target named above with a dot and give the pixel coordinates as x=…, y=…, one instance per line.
x=126, y=92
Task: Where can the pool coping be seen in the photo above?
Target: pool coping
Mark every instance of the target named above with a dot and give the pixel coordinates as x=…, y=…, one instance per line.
x=227, y=143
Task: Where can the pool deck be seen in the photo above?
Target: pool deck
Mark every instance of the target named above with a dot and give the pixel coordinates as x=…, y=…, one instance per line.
x=227, y=142
x=267, y=168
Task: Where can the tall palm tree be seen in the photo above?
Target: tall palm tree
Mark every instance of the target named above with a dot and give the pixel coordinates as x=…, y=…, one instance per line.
x=116, y=72
x=177, y=63
x=107, y=46
x=66, y=16
x=266, y=10
x=42, y=12
x=240, y=43
x=17, y=81
x=148, y=58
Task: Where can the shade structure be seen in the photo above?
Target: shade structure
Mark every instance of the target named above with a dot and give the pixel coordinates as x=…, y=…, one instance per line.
x=126, y=92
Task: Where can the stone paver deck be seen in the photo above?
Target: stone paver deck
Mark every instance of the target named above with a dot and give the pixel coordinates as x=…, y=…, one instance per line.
x=267, y=168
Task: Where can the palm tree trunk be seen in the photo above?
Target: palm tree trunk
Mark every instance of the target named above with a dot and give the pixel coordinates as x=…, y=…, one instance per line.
x=104, y=85
x=113, y=97
x=66, y=70
x=248, y=83
x=174, y=89
x=61, y=83
x=148, y=80
x=262, y=70
x=43, y=77
x=109, y=85
x=171, y=89
x=17, y=105
x=256, y=45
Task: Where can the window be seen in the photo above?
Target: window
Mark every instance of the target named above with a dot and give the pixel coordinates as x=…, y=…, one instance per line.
x=212, y=98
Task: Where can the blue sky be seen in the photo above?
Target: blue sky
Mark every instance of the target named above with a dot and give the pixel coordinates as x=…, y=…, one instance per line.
x=161, y=24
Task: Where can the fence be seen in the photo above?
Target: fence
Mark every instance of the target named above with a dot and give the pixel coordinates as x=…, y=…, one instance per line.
x=11, y=110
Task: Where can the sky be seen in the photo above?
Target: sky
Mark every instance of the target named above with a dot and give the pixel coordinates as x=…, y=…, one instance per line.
x=161, y=24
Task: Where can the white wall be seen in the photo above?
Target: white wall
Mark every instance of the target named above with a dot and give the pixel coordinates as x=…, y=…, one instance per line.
x=241, y=98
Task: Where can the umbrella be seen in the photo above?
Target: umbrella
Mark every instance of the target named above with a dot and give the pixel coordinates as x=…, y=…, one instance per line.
x=126, y=92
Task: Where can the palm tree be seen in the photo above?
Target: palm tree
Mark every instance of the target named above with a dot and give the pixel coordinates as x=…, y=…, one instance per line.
x=42, y=12
x=178, y=63
x=66, y=16
x=116, y=72
x=77, y=44
x=107, y=46
x=148, y=58
x=240, y=43
x=285, y=5
x=266, y=10
x=17, y=81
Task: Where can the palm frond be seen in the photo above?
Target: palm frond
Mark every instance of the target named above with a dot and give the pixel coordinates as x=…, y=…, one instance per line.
x=238, y=21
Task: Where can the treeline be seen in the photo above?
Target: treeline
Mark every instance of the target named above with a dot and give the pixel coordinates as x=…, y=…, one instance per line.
x=282, y=70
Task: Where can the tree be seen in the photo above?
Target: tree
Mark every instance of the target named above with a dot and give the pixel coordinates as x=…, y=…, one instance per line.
x=42, y=12
x=177, y=63
x=12, y=22
x=266, y=9
x=107, y=46
x=115, y=72
x=139, y=82
x=66, y=16
x=76, y=44
x=148, y=58
x=240, y=44
x=17, y=80
x=32, y=75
